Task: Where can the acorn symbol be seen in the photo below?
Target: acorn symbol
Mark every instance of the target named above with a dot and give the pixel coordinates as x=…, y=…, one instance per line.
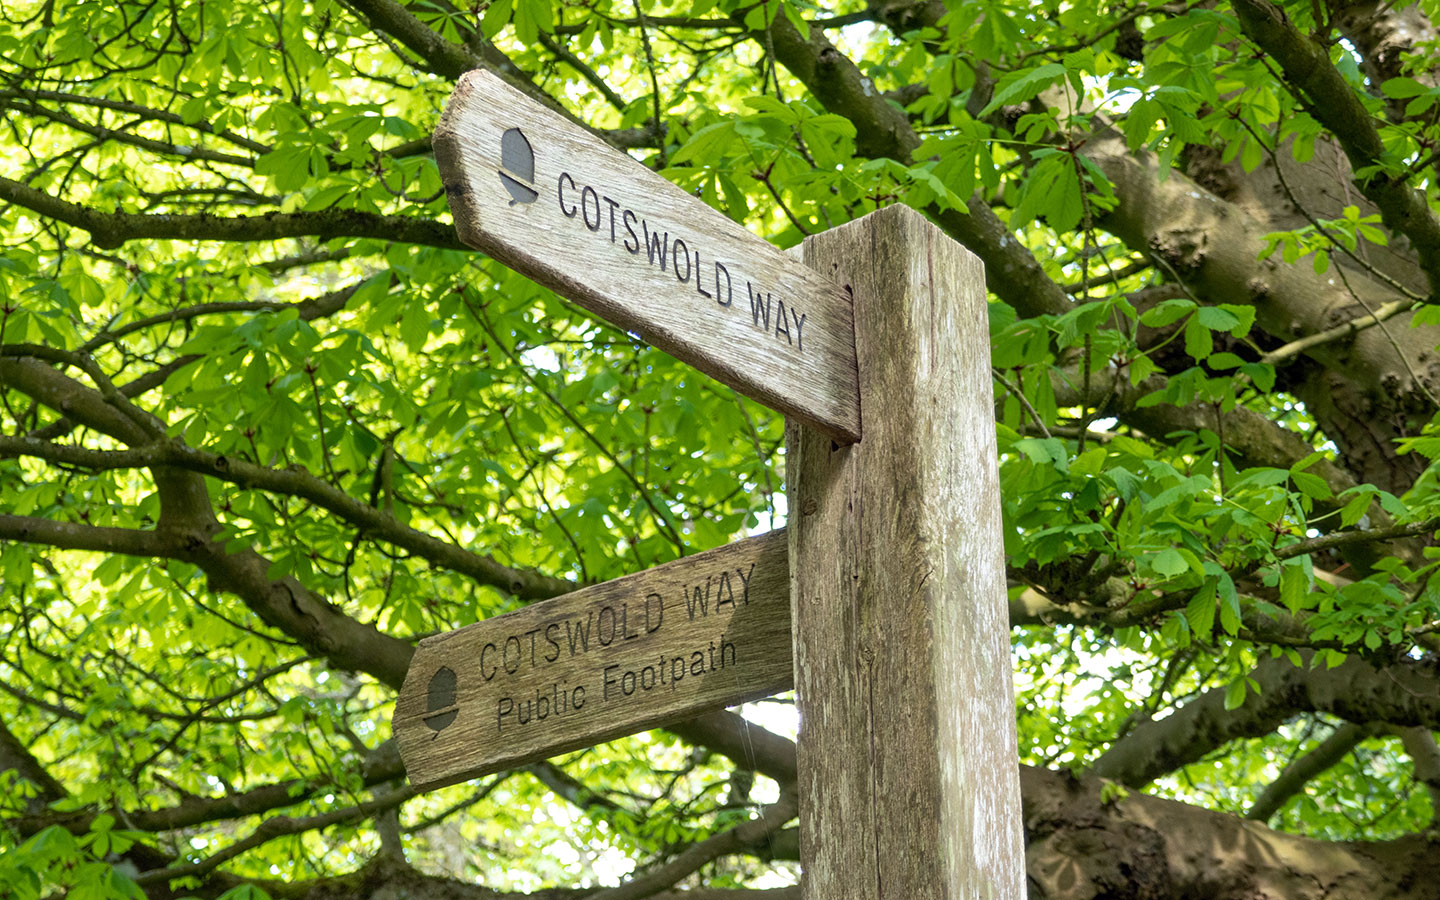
x=440, y=706
x=517, y=167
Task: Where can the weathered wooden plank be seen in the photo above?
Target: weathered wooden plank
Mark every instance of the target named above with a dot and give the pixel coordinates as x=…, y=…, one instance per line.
x=909, y=781
x=555, y=203
x=700, y=633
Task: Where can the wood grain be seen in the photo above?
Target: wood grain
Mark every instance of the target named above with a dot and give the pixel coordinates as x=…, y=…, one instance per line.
x=598, y=227
x=700, y=633
x=909, y=777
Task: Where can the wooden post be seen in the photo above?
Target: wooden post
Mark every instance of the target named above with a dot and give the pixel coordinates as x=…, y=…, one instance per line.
x=909, y=780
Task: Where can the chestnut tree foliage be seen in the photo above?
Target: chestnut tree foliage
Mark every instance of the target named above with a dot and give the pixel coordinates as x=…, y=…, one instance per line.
x=264, y=423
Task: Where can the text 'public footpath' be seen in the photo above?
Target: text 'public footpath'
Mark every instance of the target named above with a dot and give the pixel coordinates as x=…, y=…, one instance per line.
x=612, y=623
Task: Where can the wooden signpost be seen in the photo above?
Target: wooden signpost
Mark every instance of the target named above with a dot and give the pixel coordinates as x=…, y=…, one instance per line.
x=700, y=633
x=907, y=748
x=555, y=203
x=893, y=575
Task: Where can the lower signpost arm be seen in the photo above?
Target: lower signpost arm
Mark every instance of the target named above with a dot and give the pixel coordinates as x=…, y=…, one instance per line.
x=909, y=778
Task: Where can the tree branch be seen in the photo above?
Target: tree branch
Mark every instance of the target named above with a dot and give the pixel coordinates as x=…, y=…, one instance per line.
x=884, y=131
x=1083, y=841
x=451, y=60
x=383, y=878
x=159, y=115
x=442, y=57
x=147, y=382
x=70, y=398
x=573, y=791
x=14, y=756
x=1215, y=246
x=308, y=310
x=1335, y=104
x=69, y=536
x=749, y=833
x=1339, y=332
x=125, y=137
x=274, y=827
x=1424, y=754
x=1300, y=772
x=111, y=230
x=589, y=74
x=1351, y=538
x=376, y=523
x=1401, y=693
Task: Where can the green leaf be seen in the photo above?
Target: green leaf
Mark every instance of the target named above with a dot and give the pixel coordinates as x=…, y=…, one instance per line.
x=1198, y=342
x=496, y=17
x=1393, y=505
x=708, y=144
x=1312, y=485
x=1127, y=486
x=328, y=197
x=1141, y=368
x=1230, y=616
x=1217, y=318
x=1294, y=586
x=1044, y=193
x=1138, y=123
x=1088, y=464
x=1167, y=312
x=1067, y=207
x=1309, y=460
x=1023, y=85
x=772, y=107
x=1252, y=155
x=1235, y=694
x=193, y=110
x=289, y=167
x=415, y=326
x=1303, y=149
x=1245, y=316
x=760, y=17
x=1045, y=451
x=1200, y=611
x=109, y=570
x=1402, y=88
x=1262, y=374
x=1354, y=510
x=1169, y=562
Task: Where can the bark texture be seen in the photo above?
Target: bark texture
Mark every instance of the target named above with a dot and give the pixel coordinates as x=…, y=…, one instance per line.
x=1082, y=845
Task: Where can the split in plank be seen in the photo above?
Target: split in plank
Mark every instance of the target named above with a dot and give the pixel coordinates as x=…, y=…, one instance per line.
x=552, y=201
x=700, y=633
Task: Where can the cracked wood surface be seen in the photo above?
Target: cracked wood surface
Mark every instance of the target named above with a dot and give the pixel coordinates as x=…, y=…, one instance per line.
x=908, y=781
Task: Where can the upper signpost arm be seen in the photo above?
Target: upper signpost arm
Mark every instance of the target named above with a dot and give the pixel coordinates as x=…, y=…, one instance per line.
x=598, y=227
